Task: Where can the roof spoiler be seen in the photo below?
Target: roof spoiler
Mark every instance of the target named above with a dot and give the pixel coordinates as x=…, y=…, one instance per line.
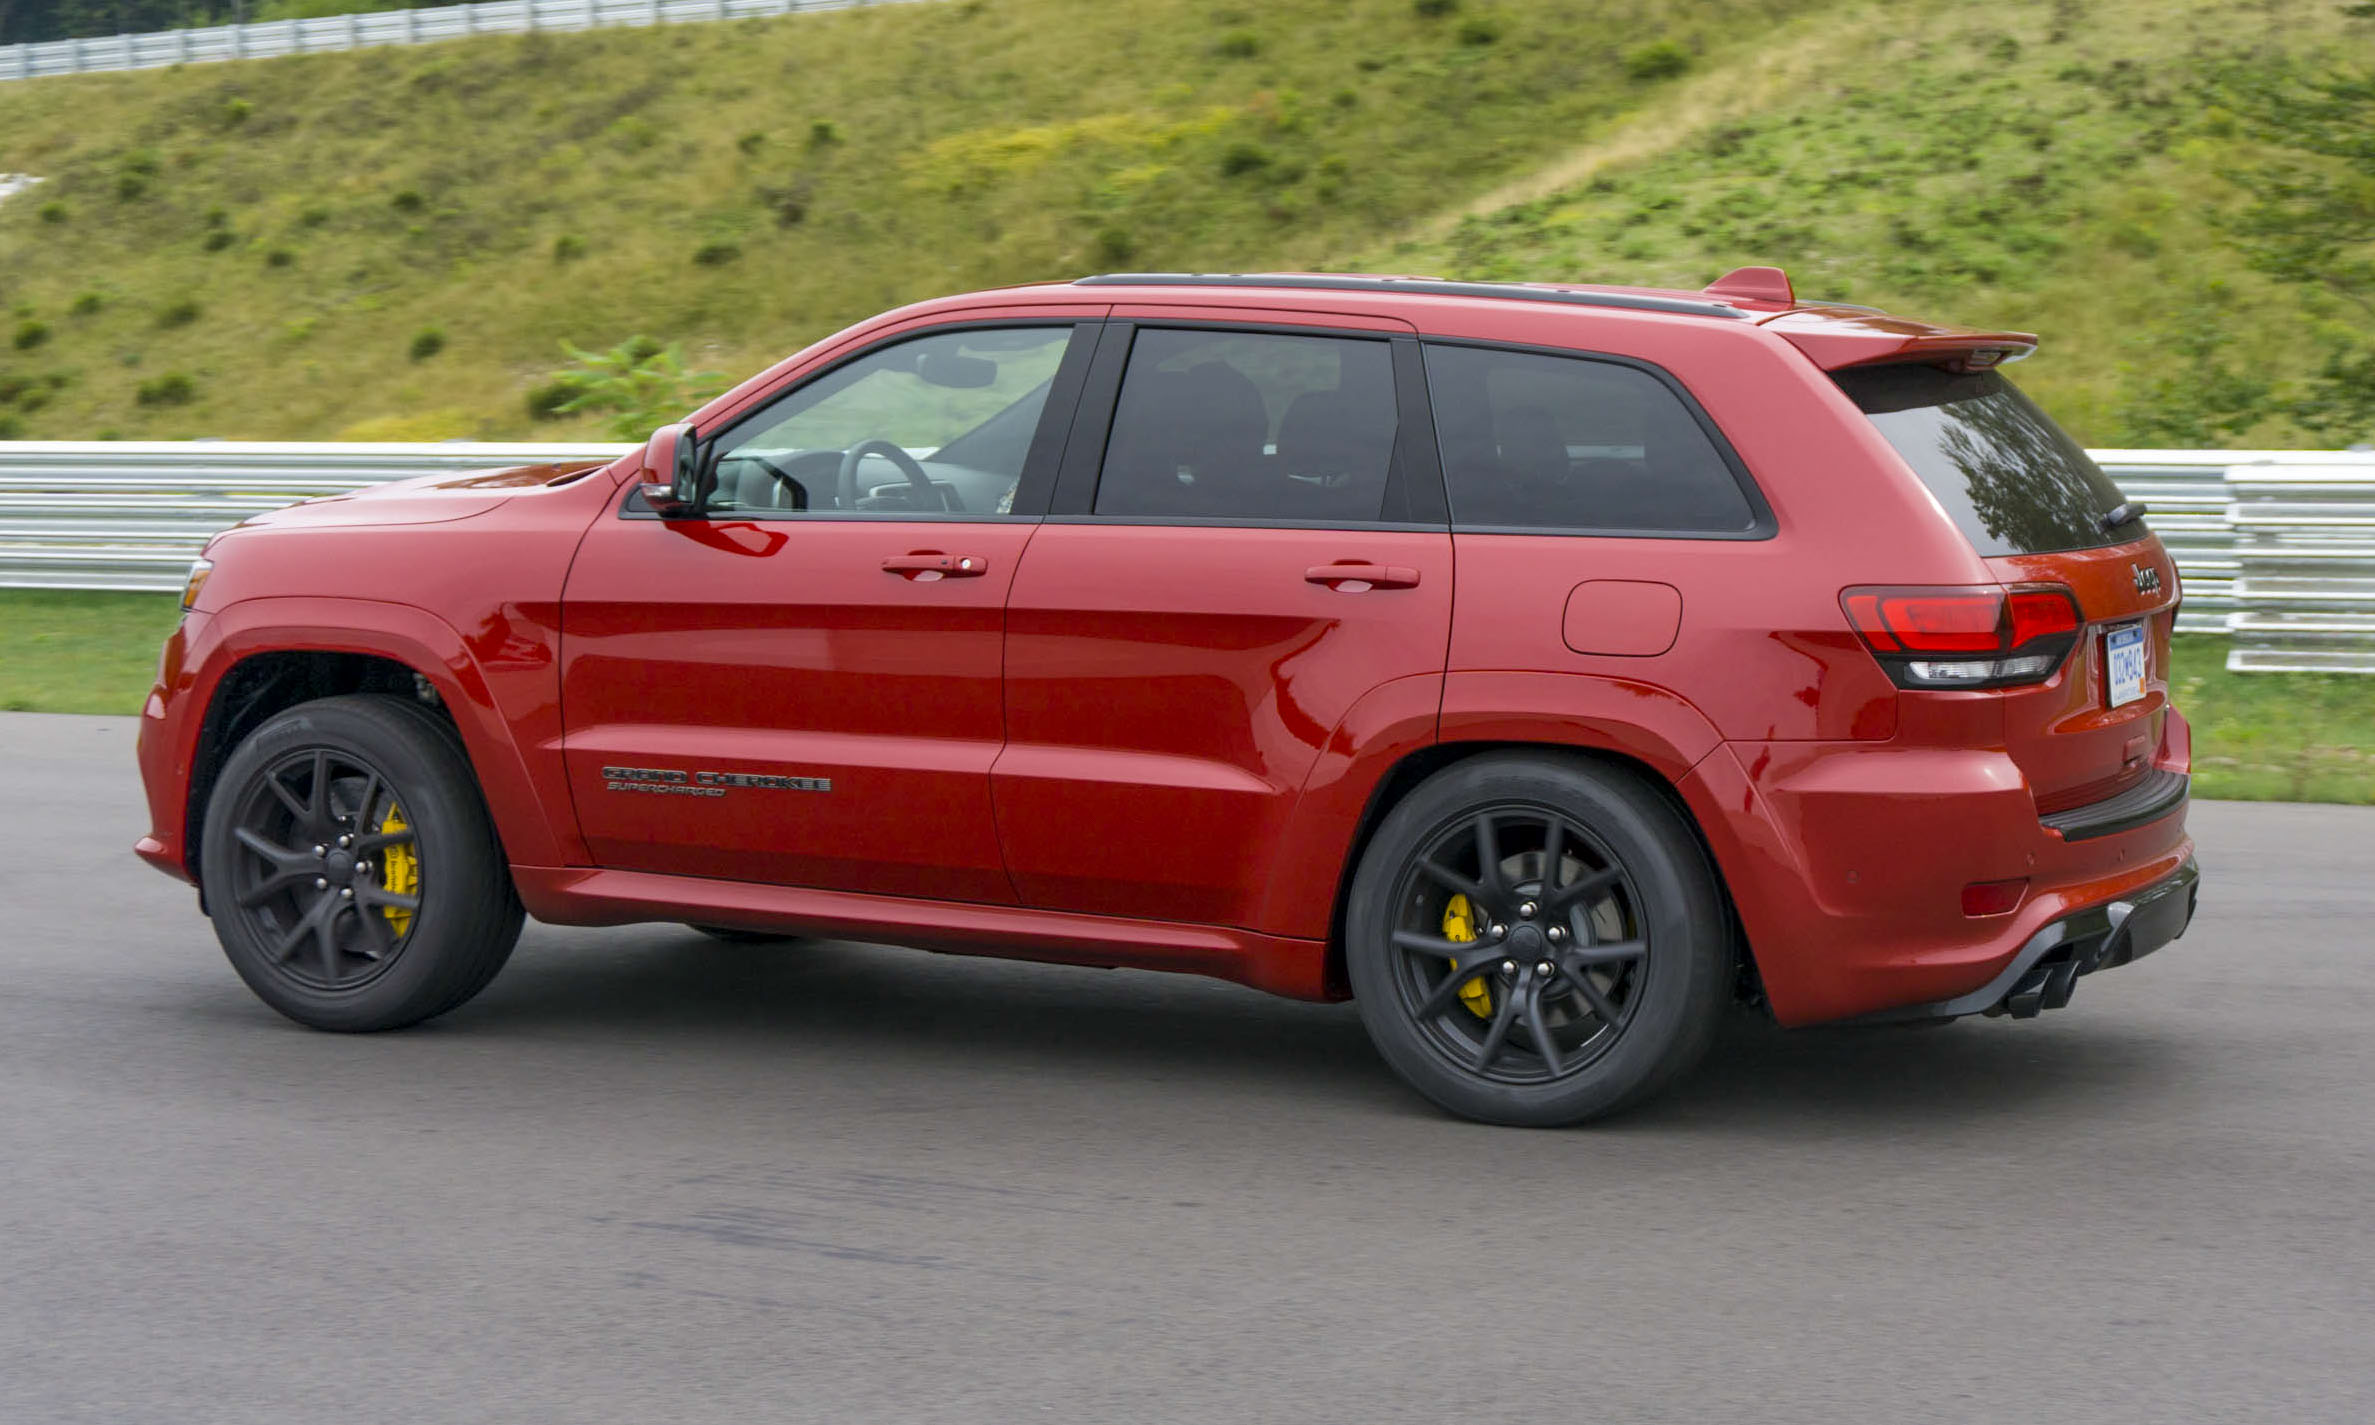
x=1835, y=338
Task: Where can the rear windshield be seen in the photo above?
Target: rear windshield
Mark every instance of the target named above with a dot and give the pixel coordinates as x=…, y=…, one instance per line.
x=2014, y=483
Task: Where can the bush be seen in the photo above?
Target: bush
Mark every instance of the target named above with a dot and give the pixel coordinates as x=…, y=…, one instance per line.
x=715, y=254
x=1242, y=158
x=52, y=212
x=280, y=257
x=822, y=132
x=86, y=304
x=313, y=217
x=1480, y=29
x=180, y=314
x=218, y=239
x=568, y=247
x=1115, y=246
x=236, y=111
x=1239, y=44
x=10, y=427
x=427, y=342
x=639, y=384
x=1434, y=9
x=173, y=388
x=1662, y=59
x=750, y=142
x=408, y=200
x=550, y=401
x=30, y=334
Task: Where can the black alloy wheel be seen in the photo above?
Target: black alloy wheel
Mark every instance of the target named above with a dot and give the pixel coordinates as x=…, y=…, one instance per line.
x=353, y=874
x=1537, y=939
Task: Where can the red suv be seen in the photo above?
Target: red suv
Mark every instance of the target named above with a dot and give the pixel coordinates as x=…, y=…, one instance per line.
x=1546, y=667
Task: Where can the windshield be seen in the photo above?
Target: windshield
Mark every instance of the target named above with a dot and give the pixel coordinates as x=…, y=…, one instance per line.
x=2013, y=482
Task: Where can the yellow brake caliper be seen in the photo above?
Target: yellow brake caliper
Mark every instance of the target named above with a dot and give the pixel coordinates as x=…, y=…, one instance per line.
x=1459, y=923
x=400, y=869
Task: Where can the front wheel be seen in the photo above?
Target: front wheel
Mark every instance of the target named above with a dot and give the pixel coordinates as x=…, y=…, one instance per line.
x=354, y=878
x=1537, y=940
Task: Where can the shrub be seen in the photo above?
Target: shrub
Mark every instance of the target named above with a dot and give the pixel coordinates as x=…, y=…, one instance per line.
x=639, y=384
x=568, y=247
x=52, y=212
x=313, y=217
x=822, y=132
x=1660, y=59
x=218, y=239
x=280, y=257
x=218, y=216
x=789, y=203
x=1239, y=44
x=30, y=333
x=180, y=314
x=236, y=111
x=12, y=387
x=1433, y=9
x=751, y=142
x=33, y=399
x=633, y=133
x=172, y=388
x=1115, y=245
x=550, y=401
x=715, y=254
x=1242, y=158
x=1480, y=29
x=86, y=304
x=408, y=200
x=133, y=173
x=427, y=342
x=10, y=427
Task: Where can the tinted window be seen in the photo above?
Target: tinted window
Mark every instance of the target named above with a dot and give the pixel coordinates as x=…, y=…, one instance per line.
x=1244, y=425
x=2012, y=480
x=949, y=418
x=1554, y=442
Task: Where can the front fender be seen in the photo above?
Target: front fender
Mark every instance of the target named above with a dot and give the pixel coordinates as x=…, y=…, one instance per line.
x=500, y=687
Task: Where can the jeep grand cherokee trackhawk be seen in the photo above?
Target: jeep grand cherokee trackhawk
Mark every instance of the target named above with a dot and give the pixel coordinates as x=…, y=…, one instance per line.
x=1545, y=667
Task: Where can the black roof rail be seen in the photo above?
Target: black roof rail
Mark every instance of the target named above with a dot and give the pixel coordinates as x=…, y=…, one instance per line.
x=1422, y=286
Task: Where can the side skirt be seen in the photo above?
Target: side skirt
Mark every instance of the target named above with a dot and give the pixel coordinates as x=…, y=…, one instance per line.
x=583, y=895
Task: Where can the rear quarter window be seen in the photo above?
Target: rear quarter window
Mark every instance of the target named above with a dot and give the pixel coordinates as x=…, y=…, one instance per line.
x=2012, y=480
x=1536, y=442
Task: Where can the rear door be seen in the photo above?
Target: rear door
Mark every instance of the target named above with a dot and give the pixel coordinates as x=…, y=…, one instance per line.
x=2038, y=510
x=1247, y=538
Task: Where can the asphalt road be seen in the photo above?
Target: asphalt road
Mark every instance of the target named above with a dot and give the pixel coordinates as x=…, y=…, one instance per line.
x=648, y=1178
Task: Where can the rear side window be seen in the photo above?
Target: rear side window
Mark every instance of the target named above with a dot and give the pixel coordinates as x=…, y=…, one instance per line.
x=2013, y=482
x=1537, y=442
x=1251, y=426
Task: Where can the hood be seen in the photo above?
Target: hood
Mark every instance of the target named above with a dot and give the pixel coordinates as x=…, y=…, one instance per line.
x=425, y=499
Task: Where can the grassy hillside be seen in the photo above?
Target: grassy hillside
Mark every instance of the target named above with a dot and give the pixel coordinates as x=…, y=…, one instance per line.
x=393, y=243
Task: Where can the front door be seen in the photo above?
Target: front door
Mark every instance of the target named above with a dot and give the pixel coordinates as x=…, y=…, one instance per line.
x=1241, y=549
x=801, y=685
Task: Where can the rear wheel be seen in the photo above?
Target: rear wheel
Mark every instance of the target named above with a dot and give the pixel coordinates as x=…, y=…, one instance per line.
x=354, y=878
x=1537, y=941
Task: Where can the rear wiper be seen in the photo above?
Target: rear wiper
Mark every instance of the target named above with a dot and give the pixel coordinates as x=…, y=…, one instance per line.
x=2125, y=512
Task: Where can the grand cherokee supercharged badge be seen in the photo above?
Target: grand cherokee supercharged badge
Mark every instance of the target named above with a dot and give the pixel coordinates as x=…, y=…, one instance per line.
x=669, y=782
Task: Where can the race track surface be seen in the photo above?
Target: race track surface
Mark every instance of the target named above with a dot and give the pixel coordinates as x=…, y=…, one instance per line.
x=649, y=1178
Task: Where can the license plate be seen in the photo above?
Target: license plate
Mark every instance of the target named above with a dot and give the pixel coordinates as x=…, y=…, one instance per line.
x=2123, y=663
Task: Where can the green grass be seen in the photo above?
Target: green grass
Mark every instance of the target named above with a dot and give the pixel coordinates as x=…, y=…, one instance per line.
x=252, y=250
x=2257, y=737
x=62, y=651
x=2275, y=737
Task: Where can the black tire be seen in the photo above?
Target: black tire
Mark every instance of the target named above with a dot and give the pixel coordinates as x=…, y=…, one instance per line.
x=1638, y=912
x=729, y=935
x=322, y=943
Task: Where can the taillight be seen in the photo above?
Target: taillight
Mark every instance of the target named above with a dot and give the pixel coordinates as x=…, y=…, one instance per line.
x=1981, y=637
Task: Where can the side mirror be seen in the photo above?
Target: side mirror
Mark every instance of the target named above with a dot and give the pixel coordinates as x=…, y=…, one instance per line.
x=670, y=475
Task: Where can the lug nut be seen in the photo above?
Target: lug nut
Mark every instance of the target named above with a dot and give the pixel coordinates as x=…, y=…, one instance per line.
x=364, y=867
x=321, y=883
x=1497, y=931
x=346, y=893
x=320, y=851
x=346, y=841
x=1556, y=932
x=1508, y=967
x=1526, y=911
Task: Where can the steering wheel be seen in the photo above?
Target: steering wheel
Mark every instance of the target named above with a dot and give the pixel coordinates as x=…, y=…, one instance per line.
x=926, y=491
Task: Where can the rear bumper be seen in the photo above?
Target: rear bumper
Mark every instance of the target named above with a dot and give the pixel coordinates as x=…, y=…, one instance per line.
x=2046, y=971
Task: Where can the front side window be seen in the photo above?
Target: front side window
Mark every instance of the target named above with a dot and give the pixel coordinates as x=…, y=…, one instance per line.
x=1535, y=442
x=938, y=425
x=1251, y=426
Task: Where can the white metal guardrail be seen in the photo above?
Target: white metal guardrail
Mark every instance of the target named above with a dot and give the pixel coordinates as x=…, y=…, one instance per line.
x=2276, y=547
x=385, y=27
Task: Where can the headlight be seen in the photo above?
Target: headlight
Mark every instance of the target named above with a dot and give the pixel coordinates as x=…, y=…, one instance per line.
x=199, y=569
